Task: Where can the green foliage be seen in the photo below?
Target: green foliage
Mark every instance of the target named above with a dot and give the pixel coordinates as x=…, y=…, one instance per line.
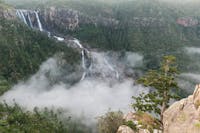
x=13, y=119
x=197, y=124
x=146, y=121
x=162, y=81
x=135, y=30
x=110, y=122
x=144, y=26
x=131, y=125
x=22, y=50
x=4, y=85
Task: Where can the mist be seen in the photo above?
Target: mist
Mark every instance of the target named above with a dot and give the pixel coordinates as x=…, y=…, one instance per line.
x=91, y=97
x=191, y=76
x=193, y=50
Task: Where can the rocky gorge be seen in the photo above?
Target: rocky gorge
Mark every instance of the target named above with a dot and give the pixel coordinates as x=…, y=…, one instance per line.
x=87, y=60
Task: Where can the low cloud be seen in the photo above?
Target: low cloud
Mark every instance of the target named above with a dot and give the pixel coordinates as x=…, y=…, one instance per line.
x=91, y=97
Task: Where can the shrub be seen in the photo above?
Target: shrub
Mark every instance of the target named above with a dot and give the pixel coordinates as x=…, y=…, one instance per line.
x=110, y=122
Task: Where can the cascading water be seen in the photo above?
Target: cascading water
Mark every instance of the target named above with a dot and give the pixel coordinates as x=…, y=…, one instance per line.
x=20, y=14
x=30, y=22
x=56, y=37
x=38, y=21
x=111, y=68
x=82, y=57
x=24, y=15
x=105, y=67
x=93, y=93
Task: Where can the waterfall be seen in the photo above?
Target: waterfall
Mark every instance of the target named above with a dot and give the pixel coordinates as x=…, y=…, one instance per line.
x=18, y=14
x=38, y=21
x=83, y=64
x=105, y=66
x=21, y=15
x=111, y=68
x=99, y=64
x=30, y=22
x=24, y=17
x=108, y=69
x=56, y=37
x=76, y=41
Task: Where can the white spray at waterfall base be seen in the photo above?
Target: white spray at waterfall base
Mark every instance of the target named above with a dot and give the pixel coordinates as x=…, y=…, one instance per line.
x=91, y=96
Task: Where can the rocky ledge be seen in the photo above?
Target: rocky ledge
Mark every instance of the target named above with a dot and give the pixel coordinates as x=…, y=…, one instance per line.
x=184, y=116
x=70, y=19
x=140, y=122
x=7, y=12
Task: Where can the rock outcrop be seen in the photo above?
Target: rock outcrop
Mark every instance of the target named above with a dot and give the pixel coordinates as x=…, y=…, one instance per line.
x=139, y=122
x=66, y=18
x=125, y=129
x=7, y=12
x=187, y=21
x=70, y=19
x=184, y=116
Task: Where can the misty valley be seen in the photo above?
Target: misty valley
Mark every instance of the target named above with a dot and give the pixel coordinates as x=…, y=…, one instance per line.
x=97, y=66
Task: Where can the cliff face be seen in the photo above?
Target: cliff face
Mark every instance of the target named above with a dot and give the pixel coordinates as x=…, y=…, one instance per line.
x=63, y=18
x=7, y=12
x=184, y=116
x=70, y=19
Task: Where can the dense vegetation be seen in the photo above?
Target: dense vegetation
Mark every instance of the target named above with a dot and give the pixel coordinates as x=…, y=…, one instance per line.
x=163, y=82
x=110, y=122
x=144, y=26
x=22, y=50
x=15, y=120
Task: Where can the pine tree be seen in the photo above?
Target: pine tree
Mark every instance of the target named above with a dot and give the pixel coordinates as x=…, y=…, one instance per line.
x=163, y=83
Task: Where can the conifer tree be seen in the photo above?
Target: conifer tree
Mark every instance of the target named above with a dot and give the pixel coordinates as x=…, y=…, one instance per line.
x=163, y=83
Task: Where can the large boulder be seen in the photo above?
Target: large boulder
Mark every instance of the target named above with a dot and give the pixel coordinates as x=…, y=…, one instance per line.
x=184, y=116
x=125, y=129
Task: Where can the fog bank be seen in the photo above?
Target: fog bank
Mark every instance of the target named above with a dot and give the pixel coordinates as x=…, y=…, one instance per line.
x=91, y=97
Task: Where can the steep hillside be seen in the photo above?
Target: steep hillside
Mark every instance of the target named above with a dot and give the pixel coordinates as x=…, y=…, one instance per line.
x=22, y=50
x=151, y=28
x=142, y=26
x=80, y=58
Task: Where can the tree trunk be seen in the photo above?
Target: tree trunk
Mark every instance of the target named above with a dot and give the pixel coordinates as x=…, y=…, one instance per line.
x=163, y=108
x=162, y=111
